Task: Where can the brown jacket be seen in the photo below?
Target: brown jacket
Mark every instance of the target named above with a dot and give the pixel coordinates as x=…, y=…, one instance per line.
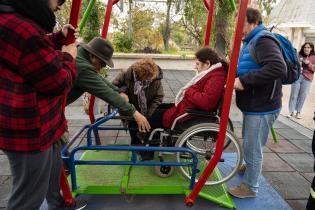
x=154, y=93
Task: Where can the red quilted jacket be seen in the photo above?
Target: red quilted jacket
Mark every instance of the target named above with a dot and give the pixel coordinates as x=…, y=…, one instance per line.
x=204, y=95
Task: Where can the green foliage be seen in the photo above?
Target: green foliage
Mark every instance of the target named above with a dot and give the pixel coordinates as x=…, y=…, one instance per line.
x=265, y=6
x=144, y=31
x=94, y=23
x=223, y=27
x=62, y=16
x=122, y=43
x=195, y=24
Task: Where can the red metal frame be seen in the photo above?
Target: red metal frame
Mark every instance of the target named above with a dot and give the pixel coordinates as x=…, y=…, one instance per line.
x=75, y=11
x=209, y=4
x=74, y=18
x=226, y=104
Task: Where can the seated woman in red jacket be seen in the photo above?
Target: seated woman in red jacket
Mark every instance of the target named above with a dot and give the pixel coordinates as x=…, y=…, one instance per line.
x=202, y=92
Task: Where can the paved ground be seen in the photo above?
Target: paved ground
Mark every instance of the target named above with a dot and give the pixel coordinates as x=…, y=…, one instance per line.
x=308, y=108
x=287, y=165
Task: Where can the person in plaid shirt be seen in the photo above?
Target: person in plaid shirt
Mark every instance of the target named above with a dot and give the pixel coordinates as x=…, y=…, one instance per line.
x=37, y=70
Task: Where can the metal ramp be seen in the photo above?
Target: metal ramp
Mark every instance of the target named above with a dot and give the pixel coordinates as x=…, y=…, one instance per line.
x=126, y=179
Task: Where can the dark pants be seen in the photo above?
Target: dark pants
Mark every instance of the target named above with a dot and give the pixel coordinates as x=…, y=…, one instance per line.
x=311, y=200
x=36, y=176
x=156, y=121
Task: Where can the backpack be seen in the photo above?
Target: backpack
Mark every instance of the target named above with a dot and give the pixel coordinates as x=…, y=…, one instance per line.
x=289, y=54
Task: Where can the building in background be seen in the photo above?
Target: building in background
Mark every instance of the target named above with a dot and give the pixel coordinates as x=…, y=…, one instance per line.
x=295, y=19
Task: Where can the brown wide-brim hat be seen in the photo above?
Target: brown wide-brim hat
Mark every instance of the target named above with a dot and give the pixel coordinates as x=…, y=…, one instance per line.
x=101, y=48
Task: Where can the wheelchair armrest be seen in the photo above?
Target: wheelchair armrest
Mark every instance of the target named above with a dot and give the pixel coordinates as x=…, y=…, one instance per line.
x=198, y=112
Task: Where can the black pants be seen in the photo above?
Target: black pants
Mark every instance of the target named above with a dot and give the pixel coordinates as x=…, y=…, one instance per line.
x=311, y=200
x=156, y=121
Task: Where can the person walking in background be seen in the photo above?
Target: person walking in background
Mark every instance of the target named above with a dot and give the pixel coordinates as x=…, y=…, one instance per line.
x=254, y=86
x=301, y=87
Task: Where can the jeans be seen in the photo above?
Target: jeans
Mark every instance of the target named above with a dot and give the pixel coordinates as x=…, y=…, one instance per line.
x=299, y=91
x=255, y=134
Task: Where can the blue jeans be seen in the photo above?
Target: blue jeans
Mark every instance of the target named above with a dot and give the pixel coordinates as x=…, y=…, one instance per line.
x=255, y=134
x=299, y=91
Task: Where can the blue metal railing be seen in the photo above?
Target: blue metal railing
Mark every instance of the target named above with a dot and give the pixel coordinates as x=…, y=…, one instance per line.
x=69, y=156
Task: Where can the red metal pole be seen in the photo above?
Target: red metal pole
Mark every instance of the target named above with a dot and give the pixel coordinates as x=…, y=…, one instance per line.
x=109, y=7
x=226, y=105
x=104, y=35
x=206, y=3
x=74, y=18
x=210, y=8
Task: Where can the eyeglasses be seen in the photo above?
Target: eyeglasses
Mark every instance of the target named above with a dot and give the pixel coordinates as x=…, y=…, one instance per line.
x=103, y=64
x=60, y=2
x=307, y=47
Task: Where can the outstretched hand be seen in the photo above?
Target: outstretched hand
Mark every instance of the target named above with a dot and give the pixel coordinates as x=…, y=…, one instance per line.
x=125, y=96
x=143, y=124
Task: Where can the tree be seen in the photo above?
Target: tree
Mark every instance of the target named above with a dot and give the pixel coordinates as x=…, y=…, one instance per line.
x=166, y=32
x=265, y=6
x=94, y=22
x=223, y=26
x=194, y=24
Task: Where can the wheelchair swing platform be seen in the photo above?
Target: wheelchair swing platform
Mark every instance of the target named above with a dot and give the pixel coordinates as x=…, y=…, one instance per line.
x=127, y=179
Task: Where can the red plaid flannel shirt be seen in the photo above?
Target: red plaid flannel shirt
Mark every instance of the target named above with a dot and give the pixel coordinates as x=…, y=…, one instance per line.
x=34, y=76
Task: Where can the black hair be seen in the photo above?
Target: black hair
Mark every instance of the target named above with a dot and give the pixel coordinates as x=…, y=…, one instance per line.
x=253, y=16
x=207, y=54
x=301, y=52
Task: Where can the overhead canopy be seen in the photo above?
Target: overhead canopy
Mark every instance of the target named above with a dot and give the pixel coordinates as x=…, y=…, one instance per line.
x=293, y=14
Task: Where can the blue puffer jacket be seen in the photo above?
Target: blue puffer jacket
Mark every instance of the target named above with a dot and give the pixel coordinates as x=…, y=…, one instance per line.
x=261, y=81
x=246, y=62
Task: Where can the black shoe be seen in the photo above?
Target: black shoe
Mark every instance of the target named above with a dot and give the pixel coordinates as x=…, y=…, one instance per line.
x=79, y=205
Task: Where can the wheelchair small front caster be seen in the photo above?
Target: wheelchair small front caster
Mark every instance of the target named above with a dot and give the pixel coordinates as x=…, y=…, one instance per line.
x=164, y=171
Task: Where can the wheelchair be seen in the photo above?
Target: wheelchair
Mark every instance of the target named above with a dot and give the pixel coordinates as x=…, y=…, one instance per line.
x=198, y=133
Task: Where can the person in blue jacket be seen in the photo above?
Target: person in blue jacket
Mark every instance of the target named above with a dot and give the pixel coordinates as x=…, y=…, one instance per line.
x=258, y=95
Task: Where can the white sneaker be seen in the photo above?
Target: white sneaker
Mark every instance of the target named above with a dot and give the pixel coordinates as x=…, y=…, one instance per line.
x=290, y=115
x=298, y=115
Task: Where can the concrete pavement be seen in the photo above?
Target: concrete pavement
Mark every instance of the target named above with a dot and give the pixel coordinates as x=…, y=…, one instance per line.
x=287, y=165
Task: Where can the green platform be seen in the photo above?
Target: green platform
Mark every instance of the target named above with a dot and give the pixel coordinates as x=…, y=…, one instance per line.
x=103, y=179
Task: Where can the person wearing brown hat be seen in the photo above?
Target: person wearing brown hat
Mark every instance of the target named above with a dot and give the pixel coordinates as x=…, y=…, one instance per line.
x=91, y=58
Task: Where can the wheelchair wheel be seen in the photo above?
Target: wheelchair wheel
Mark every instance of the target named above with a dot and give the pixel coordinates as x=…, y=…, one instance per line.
x=164, y=171
x=202, y=140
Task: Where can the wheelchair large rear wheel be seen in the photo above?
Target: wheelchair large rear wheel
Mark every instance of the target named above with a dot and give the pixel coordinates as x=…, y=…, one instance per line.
x=202, y=139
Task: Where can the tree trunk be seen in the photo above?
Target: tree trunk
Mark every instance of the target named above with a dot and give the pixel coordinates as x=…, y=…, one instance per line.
x=167, y=29
x=130, y=29
x=220, y=40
